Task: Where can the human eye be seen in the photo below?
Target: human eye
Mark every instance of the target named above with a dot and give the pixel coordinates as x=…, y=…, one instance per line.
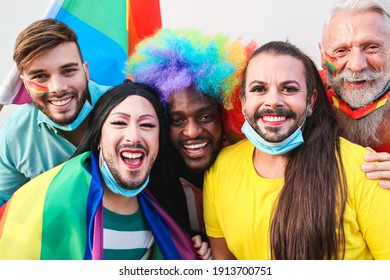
x=257, y=89
x=206, y=118
x=39, y=78
x=176, y=121
x=118, y=123
x=341, y=52
x=371, y=49
x=290, y=90
x=148, y=125
x=69, y=71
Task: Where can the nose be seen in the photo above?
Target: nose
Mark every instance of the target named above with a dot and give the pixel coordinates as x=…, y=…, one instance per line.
x=274, y=98
x=357, y=60
x=192, y=129
x=132, y=135
x=57, y=84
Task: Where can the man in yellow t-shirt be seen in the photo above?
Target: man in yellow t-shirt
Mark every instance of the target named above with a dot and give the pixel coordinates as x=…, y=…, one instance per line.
x=294, y=189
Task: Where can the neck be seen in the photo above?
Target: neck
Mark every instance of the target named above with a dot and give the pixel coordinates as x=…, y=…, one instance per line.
x=75, y=136
x=119, y=204
x=269, y=166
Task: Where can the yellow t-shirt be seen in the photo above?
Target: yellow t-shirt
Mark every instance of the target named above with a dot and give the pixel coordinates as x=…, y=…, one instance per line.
x=238, y=205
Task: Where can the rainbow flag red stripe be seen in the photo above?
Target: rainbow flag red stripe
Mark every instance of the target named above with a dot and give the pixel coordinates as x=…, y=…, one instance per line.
x=107, y=31
x=58, y=216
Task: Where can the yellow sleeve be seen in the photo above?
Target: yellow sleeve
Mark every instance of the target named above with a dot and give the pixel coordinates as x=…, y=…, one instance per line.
x=212, y=225
x=373, y=215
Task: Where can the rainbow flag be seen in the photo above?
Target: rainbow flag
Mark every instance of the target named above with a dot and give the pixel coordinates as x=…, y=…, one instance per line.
x=58, y=216
x=108, y=31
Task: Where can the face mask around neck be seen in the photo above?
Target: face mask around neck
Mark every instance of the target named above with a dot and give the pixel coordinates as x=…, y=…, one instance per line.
x=273, y=148
x=84, y=112
x=113, y=186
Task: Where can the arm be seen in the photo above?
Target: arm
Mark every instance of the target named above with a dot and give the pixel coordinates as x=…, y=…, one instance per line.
x=220, y=249
x=377, y=167
x=11, y=177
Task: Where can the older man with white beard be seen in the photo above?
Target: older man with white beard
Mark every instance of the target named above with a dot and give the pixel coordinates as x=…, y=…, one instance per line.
x=355, y=54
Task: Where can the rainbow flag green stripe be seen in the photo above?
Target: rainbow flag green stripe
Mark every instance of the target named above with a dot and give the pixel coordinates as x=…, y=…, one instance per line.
x=55, y=219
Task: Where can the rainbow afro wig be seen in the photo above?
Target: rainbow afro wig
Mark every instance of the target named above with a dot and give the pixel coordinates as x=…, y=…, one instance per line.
x=173, y=60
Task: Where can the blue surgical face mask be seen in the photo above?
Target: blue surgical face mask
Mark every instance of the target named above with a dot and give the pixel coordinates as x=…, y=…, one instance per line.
x=273, y=148
x=113, y=186
x=84, y=112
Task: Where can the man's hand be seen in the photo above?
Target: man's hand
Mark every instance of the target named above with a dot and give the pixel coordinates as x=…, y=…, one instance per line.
x=377, y=167
x=202, y=248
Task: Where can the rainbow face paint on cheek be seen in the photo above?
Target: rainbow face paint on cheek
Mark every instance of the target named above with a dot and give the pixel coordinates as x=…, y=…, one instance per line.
x=331, y=62
x=36, y=90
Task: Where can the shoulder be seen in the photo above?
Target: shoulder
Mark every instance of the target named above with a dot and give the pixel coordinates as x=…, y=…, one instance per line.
x=96, y=90
x=236, y=148
x=233, y=155
x=352, y=151
x=25, y=112
x=17, y=122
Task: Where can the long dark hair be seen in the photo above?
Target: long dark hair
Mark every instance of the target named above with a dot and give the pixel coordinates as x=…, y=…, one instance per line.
x=308, y=219
x=164, y=183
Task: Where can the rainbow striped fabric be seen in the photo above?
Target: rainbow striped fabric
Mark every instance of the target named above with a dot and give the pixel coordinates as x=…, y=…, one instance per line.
x=108, y=31
x=357, y=113
x=58, y=216
x=354, y=113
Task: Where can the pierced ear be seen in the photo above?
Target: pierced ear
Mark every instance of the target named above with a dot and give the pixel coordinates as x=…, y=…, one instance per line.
x=309, y=111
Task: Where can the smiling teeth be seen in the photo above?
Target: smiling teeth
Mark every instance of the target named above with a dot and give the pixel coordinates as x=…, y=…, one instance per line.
x=195, y=146
x=61, y=102
x=132, y=155
x=274, y=118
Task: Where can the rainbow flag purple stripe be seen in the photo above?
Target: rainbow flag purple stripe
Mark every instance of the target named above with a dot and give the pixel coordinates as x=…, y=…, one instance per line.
x=58, y=216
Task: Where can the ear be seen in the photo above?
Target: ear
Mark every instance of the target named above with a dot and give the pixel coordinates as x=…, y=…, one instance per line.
x=23, y=78
x=312, y=100
x=322, y=52
x=86, y=69
x=242, y=106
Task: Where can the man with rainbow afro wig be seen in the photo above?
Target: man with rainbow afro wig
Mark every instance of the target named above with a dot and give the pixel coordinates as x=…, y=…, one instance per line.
x=195, y=74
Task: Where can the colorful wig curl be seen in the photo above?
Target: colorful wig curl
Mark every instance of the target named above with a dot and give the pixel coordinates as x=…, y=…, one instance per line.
x=173, y=60
x=232, y=116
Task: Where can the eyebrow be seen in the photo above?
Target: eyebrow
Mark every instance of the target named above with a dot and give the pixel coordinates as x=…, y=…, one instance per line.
x=291, y=81
x=283, y=83
x=37, y=71
x=128, y=115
